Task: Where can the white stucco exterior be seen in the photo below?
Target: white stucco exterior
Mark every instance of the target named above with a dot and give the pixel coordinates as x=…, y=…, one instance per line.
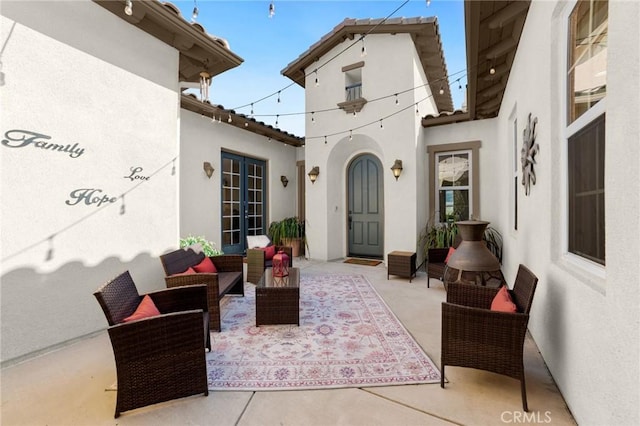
x=202, y=140
x=115, y=98
x=585, y=318
x=404, y=199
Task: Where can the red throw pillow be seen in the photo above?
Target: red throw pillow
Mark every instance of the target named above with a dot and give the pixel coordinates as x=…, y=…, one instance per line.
x=502, y=301
x=205, y=266
x=146, y=309
x=451, y=251
x=189, y=271
x=269, y=252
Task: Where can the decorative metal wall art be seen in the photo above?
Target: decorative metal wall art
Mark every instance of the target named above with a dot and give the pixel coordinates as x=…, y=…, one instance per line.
x=527, y=155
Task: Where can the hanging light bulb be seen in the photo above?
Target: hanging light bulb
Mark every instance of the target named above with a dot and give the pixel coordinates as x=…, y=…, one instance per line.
x=397, y=102
x=381, y=126
x=317, y=80
x=246, y=124
x=492, y=71
x=229, y=120
x=417, y=110
x=220, y=118
x=350, y=135
x=205, y=82
x=277, y=118
x=128, y=7
x=459, y=85
x=363, y=51
x=313, y=119
x=272, y=10
x=428, y=3
x=441, y=91
x=213, y=118
x=355, y=113
x=194, y=15
x=325, y=140
x=278, y=96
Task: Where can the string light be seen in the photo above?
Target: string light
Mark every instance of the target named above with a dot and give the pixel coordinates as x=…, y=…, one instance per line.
x=317, y=80
x=492, y=69
x=252, y=109
x=441, y=91
x=428, y=3
x=277, y=118
x=229, y=120
x=397, y=102
x=128, y=7
x=246, y=124
x=313, y=119
x=355, y=113
x=417, y=110
x=272, y=10
x=325, y=140
x=381, y=126
x=279, y=96
x=213, y=118
x=194, y=15
x=459, y=85
x=363, y=51
x=350, y=135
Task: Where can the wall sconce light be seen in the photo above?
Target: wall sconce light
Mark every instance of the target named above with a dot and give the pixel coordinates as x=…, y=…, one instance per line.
x=208, y=169
x=397, y=169
x=284, y=181
x=313, y=174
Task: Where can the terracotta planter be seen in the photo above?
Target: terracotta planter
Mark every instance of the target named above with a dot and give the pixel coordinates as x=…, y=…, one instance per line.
x=295, y=244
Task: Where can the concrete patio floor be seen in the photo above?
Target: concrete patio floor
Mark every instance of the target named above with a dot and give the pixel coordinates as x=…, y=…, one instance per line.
x=67, y=386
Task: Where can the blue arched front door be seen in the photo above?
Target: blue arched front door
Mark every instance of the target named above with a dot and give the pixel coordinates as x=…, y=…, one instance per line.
x=366, y=207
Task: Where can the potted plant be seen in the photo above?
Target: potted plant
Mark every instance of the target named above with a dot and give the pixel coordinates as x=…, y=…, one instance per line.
x=288, y=232
x=208, y=247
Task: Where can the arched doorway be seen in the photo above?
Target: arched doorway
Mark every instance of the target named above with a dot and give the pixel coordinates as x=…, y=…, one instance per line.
x=366, y=207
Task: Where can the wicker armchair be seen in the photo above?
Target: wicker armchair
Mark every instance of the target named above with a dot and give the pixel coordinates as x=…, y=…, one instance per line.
x=159, y=358
x=436, y=258
x=474, y=336
x=256, y=262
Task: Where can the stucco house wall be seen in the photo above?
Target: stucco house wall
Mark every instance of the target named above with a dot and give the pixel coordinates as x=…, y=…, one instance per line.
x=200, y=197
x=111, y=104
x=327, y=204
x=585, y=318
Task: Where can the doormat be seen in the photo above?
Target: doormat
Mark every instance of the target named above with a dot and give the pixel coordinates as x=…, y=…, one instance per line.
x=366, y=262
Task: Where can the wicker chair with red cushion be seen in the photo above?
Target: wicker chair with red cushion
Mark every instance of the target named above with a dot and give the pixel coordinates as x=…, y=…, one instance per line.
x=436, y=258
x=160, y=357
x=259, y=256
x=475, y=336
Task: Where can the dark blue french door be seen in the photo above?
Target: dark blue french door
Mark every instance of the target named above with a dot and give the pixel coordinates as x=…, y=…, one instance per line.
x=244, y=187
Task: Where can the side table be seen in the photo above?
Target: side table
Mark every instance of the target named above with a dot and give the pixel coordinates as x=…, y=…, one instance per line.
x=278, y=298
x=401, y=263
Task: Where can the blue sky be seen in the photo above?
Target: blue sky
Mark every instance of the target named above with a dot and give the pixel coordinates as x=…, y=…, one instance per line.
x=268, y=45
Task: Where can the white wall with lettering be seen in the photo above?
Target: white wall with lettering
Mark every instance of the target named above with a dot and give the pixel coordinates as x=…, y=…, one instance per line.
x=89, y=137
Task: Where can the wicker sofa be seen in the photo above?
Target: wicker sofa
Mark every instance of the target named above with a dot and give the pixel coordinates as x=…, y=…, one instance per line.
x=228, y=279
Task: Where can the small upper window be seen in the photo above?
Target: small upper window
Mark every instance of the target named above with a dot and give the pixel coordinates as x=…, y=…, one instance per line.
x=587, y=73
x=353, y=84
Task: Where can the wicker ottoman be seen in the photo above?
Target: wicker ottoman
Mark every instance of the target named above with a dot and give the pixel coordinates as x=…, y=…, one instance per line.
x=401, y=263
x=278, y=299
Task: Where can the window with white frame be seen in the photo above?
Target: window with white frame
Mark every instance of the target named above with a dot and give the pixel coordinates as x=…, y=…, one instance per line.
x=453, y=186
x=585, y=132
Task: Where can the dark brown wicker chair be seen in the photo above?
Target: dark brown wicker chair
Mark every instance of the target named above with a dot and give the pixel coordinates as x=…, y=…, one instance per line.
x=228, y=280
x=474, y=336
x=256, y=262
x=436, y=258
x=159, y=358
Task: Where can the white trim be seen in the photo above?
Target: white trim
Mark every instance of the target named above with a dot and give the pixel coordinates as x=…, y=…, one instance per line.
x=593, y=269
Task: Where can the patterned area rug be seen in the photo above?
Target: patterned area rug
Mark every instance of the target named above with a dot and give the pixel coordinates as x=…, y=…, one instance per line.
x=348, y=337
